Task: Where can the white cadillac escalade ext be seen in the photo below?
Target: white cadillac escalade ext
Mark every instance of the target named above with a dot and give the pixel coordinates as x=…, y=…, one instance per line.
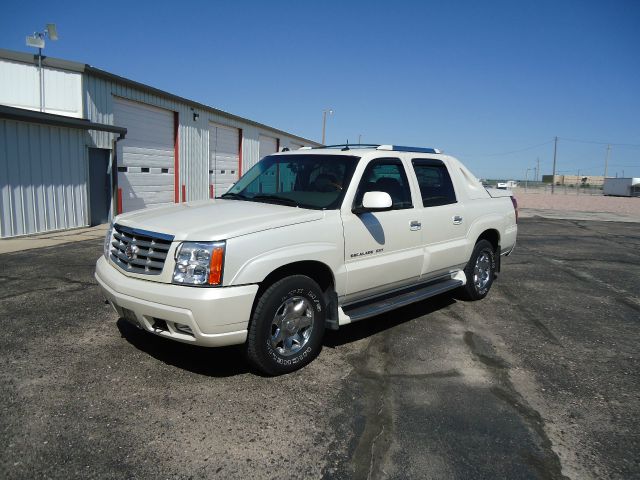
x=307, y=240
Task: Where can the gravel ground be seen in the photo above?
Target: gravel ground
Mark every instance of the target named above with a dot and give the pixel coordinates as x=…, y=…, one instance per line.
x=573, y=202
x=538, y=380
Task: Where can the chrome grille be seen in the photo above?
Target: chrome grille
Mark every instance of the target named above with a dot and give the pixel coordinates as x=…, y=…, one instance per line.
x=139, y=251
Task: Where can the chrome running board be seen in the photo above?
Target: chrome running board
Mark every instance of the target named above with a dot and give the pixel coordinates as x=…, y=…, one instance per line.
x=369, y=308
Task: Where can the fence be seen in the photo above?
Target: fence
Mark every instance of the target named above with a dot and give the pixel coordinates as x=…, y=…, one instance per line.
x=539, y=187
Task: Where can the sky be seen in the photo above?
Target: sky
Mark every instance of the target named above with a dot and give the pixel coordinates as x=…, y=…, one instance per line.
x=489, y=82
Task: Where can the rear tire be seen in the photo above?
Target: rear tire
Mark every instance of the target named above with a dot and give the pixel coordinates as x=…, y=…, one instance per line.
x=480, y=271
x=287, y=326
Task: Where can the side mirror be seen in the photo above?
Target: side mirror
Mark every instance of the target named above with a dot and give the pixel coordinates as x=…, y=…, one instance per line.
x=373, y=201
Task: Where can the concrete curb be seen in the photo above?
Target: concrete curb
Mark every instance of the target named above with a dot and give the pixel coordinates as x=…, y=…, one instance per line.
x=577, y=215
x=49, y=239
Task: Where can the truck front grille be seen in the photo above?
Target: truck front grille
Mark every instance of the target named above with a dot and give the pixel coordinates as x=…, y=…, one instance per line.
x=139, y=251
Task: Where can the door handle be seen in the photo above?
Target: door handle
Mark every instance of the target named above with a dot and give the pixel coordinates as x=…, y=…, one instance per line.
x=415, y=225
x=457, y=219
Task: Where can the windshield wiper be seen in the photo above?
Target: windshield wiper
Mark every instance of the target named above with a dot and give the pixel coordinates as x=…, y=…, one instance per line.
x=276, y=199
x=235, y=196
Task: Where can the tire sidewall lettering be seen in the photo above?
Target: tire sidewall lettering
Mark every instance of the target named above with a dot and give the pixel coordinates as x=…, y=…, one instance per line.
x=308, y=352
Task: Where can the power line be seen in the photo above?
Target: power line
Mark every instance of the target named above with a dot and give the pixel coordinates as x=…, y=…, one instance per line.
x=600, y=143
x=512, y=151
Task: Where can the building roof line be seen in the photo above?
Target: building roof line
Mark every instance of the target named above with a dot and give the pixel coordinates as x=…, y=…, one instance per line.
x=23, y=115
x=86, y=68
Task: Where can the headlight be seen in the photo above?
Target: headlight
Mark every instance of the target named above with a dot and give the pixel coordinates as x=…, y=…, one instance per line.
x=199, y=263
x=107, y=241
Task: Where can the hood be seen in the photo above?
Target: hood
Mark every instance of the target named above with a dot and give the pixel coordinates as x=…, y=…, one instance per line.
x=216, y=219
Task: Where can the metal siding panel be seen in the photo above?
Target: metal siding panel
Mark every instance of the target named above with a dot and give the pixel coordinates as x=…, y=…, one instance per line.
x=37, y=177
x=24, y=179
x=65, y=177
x=49, y=186
x=224, y=155
x=6, y=226
x=80, y=185
x=250, y=148
x=14, y=180
x=63, y=92
x=42, y=178
x=57, y=177
x=20, y=87
x=268, y=145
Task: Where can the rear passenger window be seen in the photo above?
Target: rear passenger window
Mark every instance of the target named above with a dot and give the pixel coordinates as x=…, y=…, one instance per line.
x=435, y=183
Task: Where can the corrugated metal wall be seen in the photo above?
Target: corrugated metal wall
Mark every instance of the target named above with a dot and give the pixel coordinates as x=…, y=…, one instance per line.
x=193, y=134
x=20, y=88
x=43, y=178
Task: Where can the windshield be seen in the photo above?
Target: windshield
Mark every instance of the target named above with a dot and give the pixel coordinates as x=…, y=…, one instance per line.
x=308, y=181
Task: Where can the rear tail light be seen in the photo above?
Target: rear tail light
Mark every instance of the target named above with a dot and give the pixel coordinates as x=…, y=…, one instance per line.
x=515, y=206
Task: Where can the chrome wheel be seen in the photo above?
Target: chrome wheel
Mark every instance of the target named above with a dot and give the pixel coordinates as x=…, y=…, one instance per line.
x=292, y=326
x=482, y=271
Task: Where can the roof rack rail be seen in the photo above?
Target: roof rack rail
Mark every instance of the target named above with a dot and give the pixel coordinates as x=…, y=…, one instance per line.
x=390, y=148
x=400, y=148
x=349, y=146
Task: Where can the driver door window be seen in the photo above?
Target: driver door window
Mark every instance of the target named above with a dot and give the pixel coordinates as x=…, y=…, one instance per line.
x=385, y=175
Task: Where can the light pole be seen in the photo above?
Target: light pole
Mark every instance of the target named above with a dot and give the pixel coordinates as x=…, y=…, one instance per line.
x=526, y=179
x=324, y=121
x=553, y=174
x=606, y=161
x=37, y=41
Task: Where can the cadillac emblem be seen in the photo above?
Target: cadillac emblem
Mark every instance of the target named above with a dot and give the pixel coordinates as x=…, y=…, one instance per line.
x=131, y=251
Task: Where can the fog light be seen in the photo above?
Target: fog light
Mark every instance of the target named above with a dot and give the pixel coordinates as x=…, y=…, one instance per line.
x=184, y=328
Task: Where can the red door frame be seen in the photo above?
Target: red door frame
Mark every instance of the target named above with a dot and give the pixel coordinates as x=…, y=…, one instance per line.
x=240, y=153
x=176, y=158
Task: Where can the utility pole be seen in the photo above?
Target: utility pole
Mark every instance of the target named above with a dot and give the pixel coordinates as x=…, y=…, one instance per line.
x=538, y=169
x=606, y=161
x=553, y=174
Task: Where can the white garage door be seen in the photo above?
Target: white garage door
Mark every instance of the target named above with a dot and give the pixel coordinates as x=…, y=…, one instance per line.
x=145, y=156
x=224, y=158
x=268, y=145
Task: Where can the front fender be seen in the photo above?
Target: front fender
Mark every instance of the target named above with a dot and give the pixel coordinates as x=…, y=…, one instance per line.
x=250, y=258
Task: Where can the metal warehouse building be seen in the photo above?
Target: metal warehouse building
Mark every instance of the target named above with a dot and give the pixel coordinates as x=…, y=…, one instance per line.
x=105, y=144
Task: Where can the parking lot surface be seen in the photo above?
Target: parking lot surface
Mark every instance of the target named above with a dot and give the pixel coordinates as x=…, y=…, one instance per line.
x=539, y=380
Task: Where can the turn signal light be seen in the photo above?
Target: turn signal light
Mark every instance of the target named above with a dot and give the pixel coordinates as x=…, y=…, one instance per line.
x=215, y=268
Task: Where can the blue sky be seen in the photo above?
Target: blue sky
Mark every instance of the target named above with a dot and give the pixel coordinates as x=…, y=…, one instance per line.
x=484, y=81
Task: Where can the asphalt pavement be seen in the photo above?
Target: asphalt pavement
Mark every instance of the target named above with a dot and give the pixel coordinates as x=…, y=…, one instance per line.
x=538, y=380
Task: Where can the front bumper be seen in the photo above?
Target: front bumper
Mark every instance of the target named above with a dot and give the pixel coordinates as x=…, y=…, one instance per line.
x=214, y=316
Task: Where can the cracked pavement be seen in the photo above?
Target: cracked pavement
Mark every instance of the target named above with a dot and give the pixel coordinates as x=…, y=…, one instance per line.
x=539, y=380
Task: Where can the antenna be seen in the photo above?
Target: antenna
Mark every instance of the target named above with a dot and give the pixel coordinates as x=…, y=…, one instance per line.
x=35, y=41
x=52, y=31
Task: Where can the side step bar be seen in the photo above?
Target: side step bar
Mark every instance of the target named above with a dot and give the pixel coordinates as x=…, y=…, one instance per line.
x=369, y=308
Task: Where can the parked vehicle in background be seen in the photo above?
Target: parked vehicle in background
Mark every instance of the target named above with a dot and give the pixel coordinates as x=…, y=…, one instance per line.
x=622, y=187
x=307, y=240
x=507, y=185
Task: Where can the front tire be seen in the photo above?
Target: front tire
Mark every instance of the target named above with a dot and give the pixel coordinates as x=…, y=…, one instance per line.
x=287, y=326
x=480, y=271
